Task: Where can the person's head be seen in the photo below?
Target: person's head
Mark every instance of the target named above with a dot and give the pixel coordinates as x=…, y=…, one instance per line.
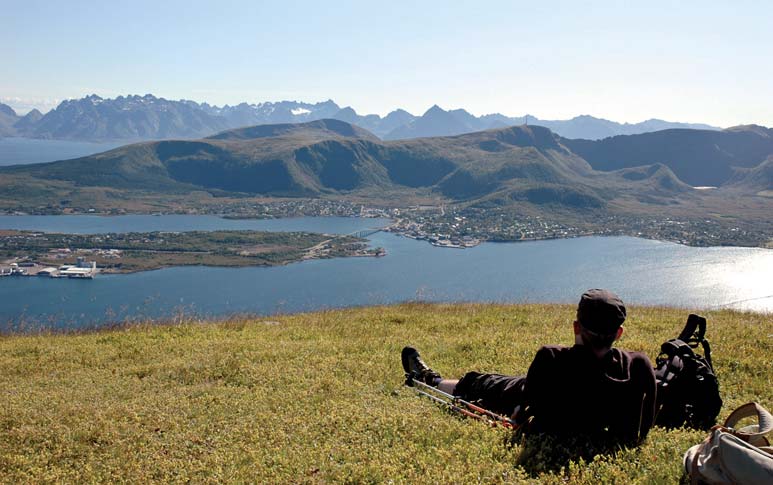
x=600, y=317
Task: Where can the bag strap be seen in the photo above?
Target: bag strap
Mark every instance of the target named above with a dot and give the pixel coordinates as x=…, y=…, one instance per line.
x=694, y=329
x=764, y=420
x=693, y=334
x=707, y=353
x=674, y=347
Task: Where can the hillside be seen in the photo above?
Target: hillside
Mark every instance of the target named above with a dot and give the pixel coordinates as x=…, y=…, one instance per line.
x=318, y=398
x=758, y=179
x=525, y=168
x=320, y=130
x=496, y=179
x=697, y=157
x=330, y=156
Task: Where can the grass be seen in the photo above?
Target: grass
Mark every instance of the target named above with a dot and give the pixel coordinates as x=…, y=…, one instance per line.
x=318, y=398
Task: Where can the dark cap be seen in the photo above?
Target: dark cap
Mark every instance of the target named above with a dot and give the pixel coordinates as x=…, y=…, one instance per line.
x=601, y=311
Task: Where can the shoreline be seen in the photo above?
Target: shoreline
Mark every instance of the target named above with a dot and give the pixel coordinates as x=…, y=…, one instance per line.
x=31, y=253
x=113, y=271
x=395, y=229
x=449, y=243
x=449, y=239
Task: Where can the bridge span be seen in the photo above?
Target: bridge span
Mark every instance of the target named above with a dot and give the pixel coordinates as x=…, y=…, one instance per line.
x=365, y=233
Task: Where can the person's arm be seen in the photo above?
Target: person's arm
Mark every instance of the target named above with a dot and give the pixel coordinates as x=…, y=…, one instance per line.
x=536, y=382
x=648, y=407
x=644, y=376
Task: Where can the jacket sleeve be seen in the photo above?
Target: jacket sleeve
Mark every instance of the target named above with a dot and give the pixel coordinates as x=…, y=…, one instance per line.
x=537, y=383
x=644, y=376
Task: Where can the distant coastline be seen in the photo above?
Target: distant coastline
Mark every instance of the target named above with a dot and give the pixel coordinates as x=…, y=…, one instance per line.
x=435, y=225
x=31, y=253
x=540, y=270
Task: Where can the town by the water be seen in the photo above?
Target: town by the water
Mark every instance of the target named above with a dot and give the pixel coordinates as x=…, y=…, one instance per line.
x=441, y=226
x=81, y=269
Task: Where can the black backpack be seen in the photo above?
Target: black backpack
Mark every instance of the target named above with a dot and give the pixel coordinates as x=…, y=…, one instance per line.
x=688, y=390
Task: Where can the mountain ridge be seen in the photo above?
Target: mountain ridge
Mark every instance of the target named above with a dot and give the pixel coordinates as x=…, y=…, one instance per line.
x=327, y=156
x=137, y=118
x=524, y=164
x=697, y=157
x=8, y=118
x=489, y=178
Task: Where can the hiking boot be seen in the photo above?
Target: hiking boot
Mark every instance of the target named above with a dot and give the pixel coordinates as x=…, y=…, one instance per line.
x=416, y=369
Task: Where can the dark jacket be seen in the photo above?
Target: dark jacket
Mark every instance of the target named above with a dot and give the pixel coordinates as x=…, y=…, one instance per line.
x=570, y=391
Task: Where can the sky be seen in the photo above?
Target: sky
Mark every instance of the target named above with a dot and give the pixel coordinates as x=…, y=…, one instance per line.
x=691, y=61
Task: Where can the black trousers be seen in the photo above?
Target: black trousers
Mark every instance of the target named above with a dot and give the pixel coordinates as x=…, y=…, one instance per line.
x=495, y=392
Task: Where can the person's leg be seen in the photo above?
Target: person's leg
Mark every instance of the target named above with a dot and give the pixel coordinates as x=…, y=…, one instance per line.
x=495, y=392
x=416, y=369
x=448, y=385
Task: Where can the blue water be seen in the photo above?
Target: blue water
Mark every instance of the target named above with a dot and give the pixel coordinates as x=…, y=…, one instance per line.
x=15, y=151
x=641, y=271
x=145, y=223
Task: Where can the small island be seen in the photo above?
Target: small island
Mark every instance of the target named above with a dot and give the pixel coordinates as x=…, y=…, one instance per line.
x=28, y=253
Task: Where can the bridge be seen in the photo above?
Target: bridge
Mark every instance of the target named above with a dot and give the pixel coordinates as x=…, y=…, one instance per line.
x=365, y=233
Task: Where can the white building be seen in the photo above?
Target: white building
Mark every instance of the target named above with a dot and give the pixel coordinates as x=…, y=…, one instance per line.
x=81, y=270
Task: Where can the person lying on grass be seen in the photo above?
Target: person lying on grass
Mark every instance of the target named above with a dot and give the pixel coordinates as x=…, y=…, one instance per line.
x=590, y=389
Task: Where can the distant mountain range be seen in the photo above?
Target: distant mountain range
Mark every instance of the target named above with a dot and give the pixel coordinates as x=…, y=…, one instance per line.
x=12, y=124
x=521, y=165
x=135, y=118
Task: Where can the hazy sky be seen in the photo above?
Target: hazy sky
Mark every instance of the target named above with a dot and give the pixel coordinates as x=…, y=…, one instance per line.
x=698, y=61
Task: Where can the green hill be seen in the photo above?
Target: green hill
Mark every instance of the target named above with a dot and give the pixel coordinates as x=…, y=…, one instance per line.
x=327, y=156
x=318, y=398
x=758, y=179
x=658, y=176
x=697, y=157
x=522, y=169
x=318, y=130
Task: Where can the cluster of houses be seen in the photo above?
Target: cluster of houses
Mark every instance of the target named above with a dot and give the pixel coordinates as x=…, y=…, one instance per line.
x=81, y=269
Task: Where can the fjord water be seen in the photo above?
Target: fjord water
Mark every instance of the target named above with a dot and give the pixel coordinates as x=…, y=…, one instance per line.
x=641, y=271
x=18, y=151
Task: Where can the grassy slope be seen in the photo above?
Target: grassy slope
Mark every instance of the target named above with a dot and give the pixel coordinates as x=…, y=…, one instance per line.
x=316, y=397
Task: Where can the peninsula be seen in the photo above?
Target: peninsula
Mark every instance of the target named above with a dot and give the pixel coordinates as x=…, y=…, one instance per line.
x=41, y=253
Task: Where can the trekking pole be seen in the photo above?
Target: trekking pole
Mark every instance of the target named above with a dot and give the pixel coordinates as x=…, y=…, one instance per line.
x=466, y=408
x=452, y=406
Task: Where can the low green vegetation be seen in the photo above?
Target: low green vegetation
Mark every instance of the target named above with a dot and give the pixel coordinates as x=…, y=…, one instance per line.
x=135, y=251
x=318, y=398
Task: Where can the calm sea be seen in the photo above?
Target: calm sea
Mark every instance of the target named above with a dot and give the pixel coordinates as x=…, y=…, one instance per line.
x=641, y=271
x=15, y=151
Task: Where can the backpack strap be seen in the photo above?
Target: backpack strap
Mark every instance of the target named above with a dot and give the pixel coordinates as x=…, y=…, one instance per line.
x=674, y=347
x=694, y=330
x=764, y=420
x=694, y=333
x=707, y=353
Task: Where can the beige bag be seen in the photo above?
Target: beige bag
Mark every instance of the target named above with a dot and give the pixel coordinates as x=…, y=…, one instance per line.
x=734, y=456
